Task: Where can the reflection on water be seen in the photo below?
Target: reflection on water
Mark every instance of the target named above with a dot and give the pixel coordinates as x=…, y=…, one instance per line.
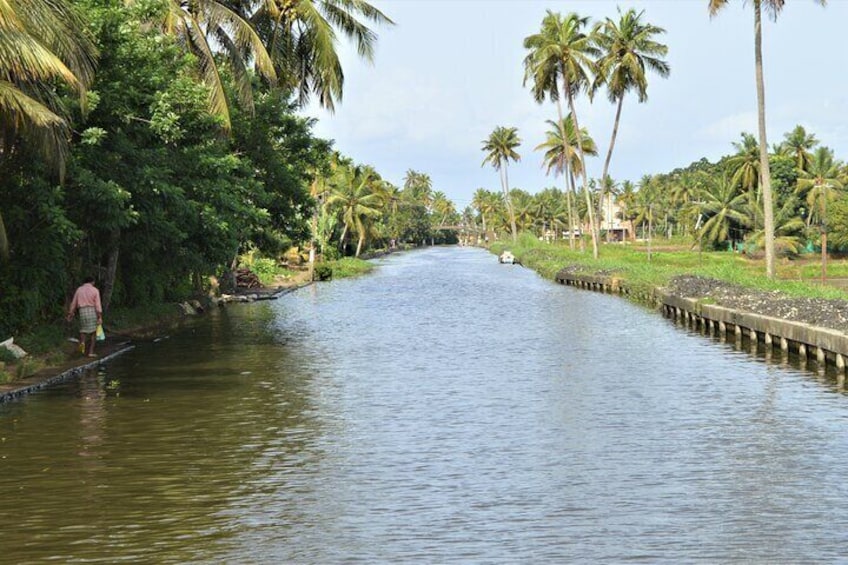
x=444, y=409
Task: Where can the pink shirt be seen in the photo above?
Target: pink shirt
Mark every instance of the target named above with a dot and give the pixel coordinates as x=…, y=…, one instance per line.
x=87, y=295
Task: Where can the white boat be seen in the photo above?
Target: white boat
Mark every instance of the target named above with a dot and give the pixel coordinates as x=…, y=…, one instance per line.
x=507, y=258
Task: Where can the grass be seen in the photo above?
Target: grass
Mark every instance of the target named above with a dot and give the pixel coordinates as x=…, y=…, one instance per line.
x=349, y=267
x=630, y=262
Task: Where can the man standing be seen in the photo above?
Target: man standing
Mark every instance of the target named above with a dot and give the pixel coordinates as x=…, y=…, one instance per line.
x=87, y=300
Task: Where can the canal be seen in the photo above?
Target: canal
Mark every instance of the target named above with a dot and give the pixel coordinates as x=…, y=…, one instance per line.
x=444, y=409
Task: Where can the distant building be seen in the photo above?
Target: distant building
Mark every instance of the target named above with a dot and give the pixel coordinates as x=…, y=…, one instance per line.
x=611, y=222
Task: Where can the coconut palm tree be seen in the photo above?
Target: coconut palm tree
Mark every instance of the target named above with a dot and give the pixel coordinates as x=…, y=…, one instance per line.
x=523, y=204
x=645, y=206
x=745, y=163
x=355, y=196
x=487, y=204
x=823, y=182
x=773, y=7
x=723, y=204
x=442, y=208
x=629, y=51
x=683, y=195
x=214, y=29
x=564, y=51
x=561, y=156
x=302, y=39
x=500, y=149
x=788, y=226
x=418, y=187
x=42, y=44
x=798, y=144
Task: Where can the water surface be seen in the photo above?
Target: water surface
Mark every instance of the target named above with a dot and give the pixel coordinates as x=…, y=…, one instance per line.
x=443, y=409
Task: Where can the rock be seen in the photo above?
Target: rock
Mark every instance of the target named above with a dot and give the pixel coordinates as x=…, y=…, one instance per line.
x=187, y=309
x=15, y=350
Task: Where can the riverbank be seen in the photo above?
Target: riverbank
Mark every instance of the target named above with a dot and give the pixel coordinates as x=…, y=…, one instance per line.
x=52, y=350
x=724, y=279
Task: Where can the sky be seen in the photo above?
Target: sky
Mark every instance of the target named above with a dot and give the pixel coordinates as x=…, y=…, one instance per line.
x=449, y=71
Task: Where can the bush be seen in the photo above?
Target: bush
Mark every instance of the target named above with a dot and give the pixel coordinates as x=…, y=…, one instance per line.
x=323, y=272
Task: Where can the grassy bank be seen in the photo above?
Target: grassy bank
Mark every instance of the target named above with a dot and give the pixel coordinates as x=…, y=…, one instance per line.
x=630, y=262
x=349, y=267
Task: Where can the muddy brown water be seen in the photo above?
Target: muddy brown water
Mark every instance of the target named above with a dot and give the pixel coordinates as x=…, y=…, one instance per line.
x=445, y=409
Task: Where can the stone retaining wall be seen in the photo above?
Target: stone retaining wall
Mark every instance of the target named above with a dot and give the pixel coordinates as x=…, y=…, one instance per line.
x=828, y=346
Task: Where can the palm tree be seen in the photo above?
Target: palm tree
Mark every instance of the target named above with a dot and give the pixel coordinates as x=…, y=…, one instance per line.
x=487, y=204
x=821, y=183
x=301, y=38
x=798, y=144
x=645, y=201
x=210, y=29
x=563, y=51
x=561, y=156
x=442, y=208
x=355, y=196
x=545, y=204
x=788, y=226
x=684, y=194
x=773, y=7
x=500, y=149
x=42, y=44
x=629, y=51
x=745, y=163
x=418, y=187
x=723, y=204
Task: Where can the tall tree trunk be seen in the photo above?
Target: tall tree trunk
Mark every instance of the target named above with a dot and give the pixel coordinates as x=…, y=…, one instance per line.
x=650, y=229
x=565, y=172
x=824, y=237
x=613, y=137
x=595, y=252
x=344, y=239
x=509, y=203
x=359, y=244
x=768, y=207
x=111, y=268
x=4, y=241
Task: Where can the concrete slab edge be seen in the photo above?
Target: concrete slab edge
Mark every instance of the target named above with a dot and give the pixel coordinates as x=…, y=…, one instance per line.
x=70, y=373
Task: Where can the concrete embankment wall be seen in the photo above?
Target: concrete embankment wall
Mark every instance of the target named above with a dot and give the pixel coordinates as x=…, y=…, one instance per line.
x=826, y=346
x=38, y=381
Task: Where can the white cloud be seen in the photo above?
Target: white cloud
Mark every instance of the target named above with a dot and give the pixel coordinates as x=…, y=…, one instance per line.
x=730, y=127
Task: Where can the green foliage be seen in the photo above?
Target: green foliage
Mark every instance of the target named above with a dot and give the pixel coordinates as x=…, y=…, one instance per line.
x=323, y=272
x=158, y=193
x=6, y=356
x=44, y=338
x=348, y=267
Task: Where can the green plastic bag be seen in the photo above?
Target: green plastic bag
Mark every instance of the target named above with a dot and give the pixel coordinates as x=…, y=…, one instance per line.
x=101, y=335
